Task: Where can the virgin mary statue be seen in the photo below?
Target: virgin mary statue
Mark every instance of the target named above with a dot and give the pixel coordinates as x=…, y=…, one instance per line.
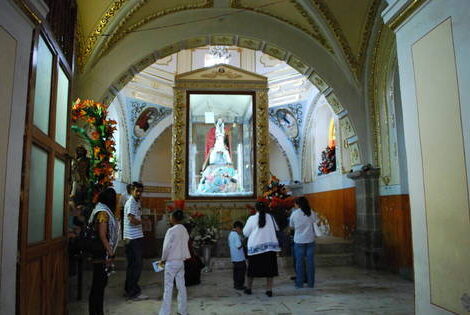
x=218, y=174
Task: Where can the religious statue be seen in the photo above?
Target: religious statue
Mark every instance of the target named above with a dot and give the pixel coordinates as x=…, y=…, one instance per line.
x=80, y=175
x=217, y=150
x=218, y=174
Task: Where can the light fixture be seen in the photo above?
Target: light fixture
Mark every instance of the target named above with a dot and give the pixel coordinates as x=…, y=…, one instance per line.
x=220, y=52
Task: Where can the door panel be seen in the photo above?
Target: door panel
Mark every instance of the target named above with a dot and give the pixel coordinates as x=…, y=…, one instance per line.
x=43, y=259
x=35, y=288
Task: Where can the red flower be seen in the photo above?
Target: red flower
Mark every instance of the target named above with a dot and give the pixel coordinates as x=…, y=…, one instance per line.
x=179, y=204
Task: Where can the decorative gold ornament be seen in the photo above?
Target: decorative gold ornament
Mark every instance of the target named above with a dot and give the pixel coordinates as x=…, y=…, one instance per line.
x=356, y=62
x=90, y=41
x=118, y=33
x=405, y=13
x=157, y=189
x=240, y=80
x=178, y=145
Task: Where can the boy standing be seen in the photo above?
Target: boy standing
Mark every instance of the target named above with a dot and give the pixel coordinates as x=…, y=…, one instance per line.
x=175, y=251
x=237, y=255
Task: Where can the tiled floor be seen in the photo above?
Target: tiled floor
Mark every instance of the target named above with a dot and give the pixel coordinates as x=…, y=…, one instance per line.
x=339, y=290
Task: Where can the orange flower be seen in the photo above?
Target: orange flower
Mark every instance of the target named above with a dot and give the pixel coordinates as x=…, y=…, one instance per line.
x=109, y=143
x=95, y=135
x=96, y=151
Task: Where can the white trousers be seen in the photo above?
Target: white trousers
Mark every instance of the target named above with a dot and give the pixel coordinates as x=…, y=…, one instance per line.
x=174, y=270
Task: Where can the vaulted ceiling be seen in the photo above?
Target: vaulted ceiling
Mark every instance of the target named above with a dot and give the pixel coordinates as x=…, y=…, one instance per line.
x=342, y=27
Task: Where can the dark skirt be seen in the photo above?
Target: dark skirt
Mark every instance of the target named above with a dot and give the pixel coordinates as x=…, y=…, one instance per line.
x=263, y=265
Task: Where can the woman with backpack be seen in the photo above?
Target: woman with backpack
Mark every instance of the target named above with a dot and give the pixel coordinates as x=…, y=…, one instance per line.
x=106, y=228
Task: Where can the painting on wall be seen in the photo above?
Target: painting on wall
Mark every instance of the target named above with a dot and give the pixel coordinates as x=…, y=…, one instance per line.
x=289, y=119
x=288, y=122
x=143, y=118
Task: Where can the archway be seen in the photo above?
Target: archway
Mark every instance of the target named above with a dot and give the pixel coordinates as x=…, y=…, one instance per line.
x=135, y=52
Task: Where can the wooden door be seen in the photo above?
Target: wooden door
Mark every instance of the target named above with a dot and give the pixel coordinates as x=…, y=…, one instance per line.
x=42, y=264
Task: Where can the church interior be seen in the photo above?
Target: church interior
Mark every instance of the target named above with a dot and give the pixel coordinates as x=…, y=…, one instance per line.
x=359, y=106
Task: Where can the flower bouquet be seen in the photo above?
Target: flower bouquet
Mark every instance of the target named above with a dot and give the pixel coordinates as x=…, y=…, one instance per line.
x=204, y=229
x=91, y=123
x=205, y=233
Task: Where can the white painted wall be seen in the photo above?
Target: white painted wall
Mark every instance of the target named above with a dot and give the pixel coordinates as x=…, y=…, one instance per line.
x=157, y=164
x=19, y=27
x=278, y=162
x=427, y=17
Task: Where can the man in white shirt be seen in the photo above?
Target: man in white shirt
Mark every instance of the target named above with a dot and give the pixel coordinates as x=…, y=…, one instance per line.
x=133, y=235
x=122, y=203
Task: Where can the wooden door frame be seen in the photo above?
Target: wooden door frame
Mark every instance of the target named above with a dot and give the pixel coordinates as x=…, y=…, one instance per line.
x=33, y=135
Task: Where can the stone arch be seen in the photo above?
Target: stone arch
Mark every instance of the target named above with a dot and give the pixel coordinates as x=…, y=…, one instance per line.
x=135, y=52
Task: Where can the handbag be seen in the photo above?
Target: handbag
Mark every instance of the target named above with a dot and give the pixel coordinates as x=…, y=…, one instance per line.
x=90, y=243
x=277, y=230
x=316, y=228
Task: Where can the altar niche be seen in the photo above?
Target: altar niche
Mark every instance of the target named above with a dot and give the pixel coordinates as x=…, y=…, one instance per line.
x=220, y=142
x=220, y=135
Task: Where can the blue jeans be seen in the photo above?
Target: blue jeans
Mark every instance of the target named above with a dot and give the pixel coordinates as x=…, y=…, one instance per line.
x=134, y=250
x=304, y=253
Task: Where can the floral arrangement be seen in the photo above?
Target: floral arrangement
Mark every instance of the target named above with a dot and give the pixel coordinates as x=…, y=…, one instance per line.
x=90, y=122
x=204, y=229
x=328, y=161
x=278, y=199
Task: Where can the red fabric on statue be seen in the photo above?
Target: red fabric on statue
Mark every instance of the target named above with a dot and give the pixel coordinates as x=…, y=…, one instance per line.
x=210, y=141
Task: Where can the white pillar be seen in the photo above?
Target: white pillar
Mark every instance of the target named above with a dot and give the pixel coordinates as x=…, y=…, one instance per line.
x=433, y=48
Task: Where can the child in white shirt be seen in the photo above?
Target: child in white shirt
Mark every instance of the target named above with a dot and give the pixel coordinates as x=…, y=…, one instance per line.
x=175, y=251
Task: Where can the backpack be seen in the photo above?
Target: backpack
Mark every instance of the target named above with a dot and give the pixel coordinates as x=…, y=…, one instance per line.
x=89, y=242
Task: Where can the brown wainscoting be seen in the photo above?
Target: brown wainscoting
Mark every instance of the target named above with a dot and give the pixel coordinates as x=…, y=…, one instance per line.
x=339, y=207
x=396, y=227
x=155, y=204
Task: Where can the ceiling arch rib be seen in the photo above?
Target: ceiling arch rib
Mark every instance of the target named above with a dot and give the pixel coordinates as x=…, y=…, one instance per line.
x=351, y=23
x=342, y=28
x=127, y=16
x=306, y=52
x=136, y=51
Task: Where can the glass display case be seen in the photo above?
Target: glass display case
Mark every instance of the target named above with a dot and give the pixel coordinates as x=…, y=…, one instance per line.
x=220, y=144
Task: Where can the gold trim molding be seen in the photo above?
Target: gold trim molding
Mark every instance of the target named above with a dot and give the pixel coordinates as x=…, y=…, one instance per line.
x=157, y=189
x=182, y=84
x=355, y=62
x=236, y=4
x=404, y=14
x=28, y=11
x=90, y=42
x=119, y=34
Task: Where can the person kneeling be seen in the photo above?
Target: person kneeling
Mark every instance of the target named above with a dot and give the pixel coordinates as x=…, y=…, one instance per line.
x=175, y=251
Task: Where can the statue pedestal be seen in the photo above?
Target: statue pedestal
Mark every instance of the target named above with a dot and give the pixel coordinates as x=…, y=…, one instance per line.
x=368, y=245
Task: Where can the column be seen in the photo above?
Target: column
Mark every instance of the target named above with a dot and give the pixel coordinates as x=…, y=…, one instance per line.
x=368, y=247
